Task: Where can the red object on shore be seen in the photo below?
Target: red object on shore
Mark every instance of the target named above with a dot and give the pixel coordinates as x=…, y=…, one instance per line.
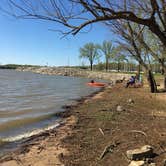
x=96, y=84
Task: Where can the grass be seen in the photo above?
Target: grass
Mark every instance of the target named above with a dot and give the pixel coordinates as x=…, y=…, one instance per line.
x=106, y=116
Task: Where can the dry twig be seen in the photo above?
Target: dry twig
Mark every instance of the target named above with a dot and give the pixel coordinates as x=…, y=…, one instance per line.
x=101, y=131
x=138, y=131
x=109, y=148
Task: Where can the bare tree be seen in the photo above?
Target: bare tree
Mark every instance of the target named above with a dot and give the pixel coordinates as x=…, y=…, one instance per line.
x=128, y=34
x=78, y=14
x=155, y=48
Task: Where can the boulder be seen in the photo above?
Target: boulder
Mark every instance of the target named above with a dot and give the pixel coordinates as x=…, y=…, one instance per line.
x=164, y=162
x=140, y=154
x=130, y=101
x=137, y=163
x=120, y=108
x=152, y=164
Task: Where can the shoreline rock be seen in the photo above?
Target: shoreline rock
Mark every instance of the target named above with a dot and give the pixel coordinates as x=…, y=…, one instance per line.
x=73, y=72
x=145, y=151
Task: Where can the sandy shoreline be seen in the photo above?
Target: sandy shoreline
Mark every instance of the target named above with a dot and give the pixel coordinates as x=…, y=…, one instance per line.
x=93, y=124
x=46, y=148
x=44, y=151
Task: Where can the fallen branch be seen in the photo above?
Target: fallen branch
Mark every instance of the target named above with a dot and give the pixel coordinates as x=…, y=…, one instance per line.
x=101, y=131
x=138, y=131
x=108, y=149
x=162, y=148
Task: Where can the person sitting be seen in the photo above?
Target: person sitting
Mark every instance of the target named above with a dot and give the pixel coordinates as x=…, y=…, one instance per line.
x=92, y=81
x=131, y=81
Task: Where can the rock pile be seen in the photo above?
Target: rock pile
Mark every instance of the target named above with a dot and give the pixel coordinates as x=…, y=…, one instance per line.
x=75, y=72
x=141, y=156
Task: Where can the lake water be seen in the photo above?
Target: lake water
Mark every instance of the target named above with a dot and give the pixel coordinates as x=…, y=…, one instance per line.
x=29, y=102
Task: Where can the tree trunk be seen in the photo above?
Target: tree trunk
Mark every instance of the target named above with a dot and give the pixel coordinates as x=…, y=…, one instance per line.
x=118, y=66
x=163, y=69
x=106, y=65
x=138, y=71
x=164, y=74
x=91, y=65
x=165, y=81
x=151, y=81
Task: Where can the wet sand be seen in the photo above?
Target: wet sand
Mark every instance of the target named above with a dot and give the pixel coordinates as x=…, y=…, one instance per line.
x=44, y=151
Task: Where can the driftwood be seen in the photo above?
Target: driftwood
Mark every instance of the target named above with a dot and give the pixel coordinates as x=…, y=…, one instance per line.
x=101, y=131
x=108, y=149
x=138, y=131
x=163, y=150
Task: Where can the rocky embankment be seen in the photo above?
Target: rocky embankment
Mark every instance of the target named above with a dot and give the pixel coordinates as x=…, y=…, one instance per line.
x=76, y=73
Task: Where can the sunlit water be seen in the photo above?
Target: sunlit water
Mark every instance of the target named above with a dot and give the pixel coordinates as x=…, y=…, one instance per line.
x=29, y=102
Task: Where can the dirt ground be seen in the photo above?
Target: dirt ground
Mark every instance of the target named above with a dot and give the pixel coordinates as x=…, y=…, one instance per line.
x=142, y=122
x=96, y=124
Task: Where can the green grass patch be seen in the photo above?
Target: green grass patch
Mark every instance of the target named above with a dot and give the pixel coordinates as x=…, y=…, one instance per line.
x=106, y=116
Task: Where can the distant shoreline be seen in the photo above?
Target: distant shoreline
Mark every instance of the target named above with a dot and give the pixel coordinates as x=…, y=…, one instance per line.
x=74, y=72
x=15, y=66
x=6, y=67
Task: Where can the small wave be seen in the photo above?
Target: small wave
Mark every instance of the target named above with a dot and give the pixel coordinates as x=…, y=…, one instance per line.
x=28, y=134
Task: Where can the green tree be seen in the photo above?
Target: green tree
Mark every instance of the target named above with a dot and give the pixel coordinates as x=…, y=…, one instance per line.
x=90, y=52
x=119, y=58
x=108, y=49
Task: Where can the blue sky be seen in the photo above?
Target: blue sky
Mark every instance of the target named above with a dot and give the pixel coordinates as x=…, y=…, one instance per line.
x=31, y=42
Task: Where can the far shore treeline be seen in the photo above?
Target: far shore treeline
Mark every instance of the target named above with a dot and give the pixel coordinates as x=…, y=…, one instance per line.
x=15, y=66
x=113, y=66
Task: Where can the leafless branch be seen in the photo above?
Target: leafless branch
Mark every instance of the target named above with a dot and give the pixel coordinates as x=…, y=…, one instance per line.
x=78, y=14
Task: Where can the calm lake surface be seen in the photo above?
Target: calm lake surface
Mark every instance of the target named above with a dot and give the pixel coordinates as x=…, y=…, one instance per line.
x=28, y=101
